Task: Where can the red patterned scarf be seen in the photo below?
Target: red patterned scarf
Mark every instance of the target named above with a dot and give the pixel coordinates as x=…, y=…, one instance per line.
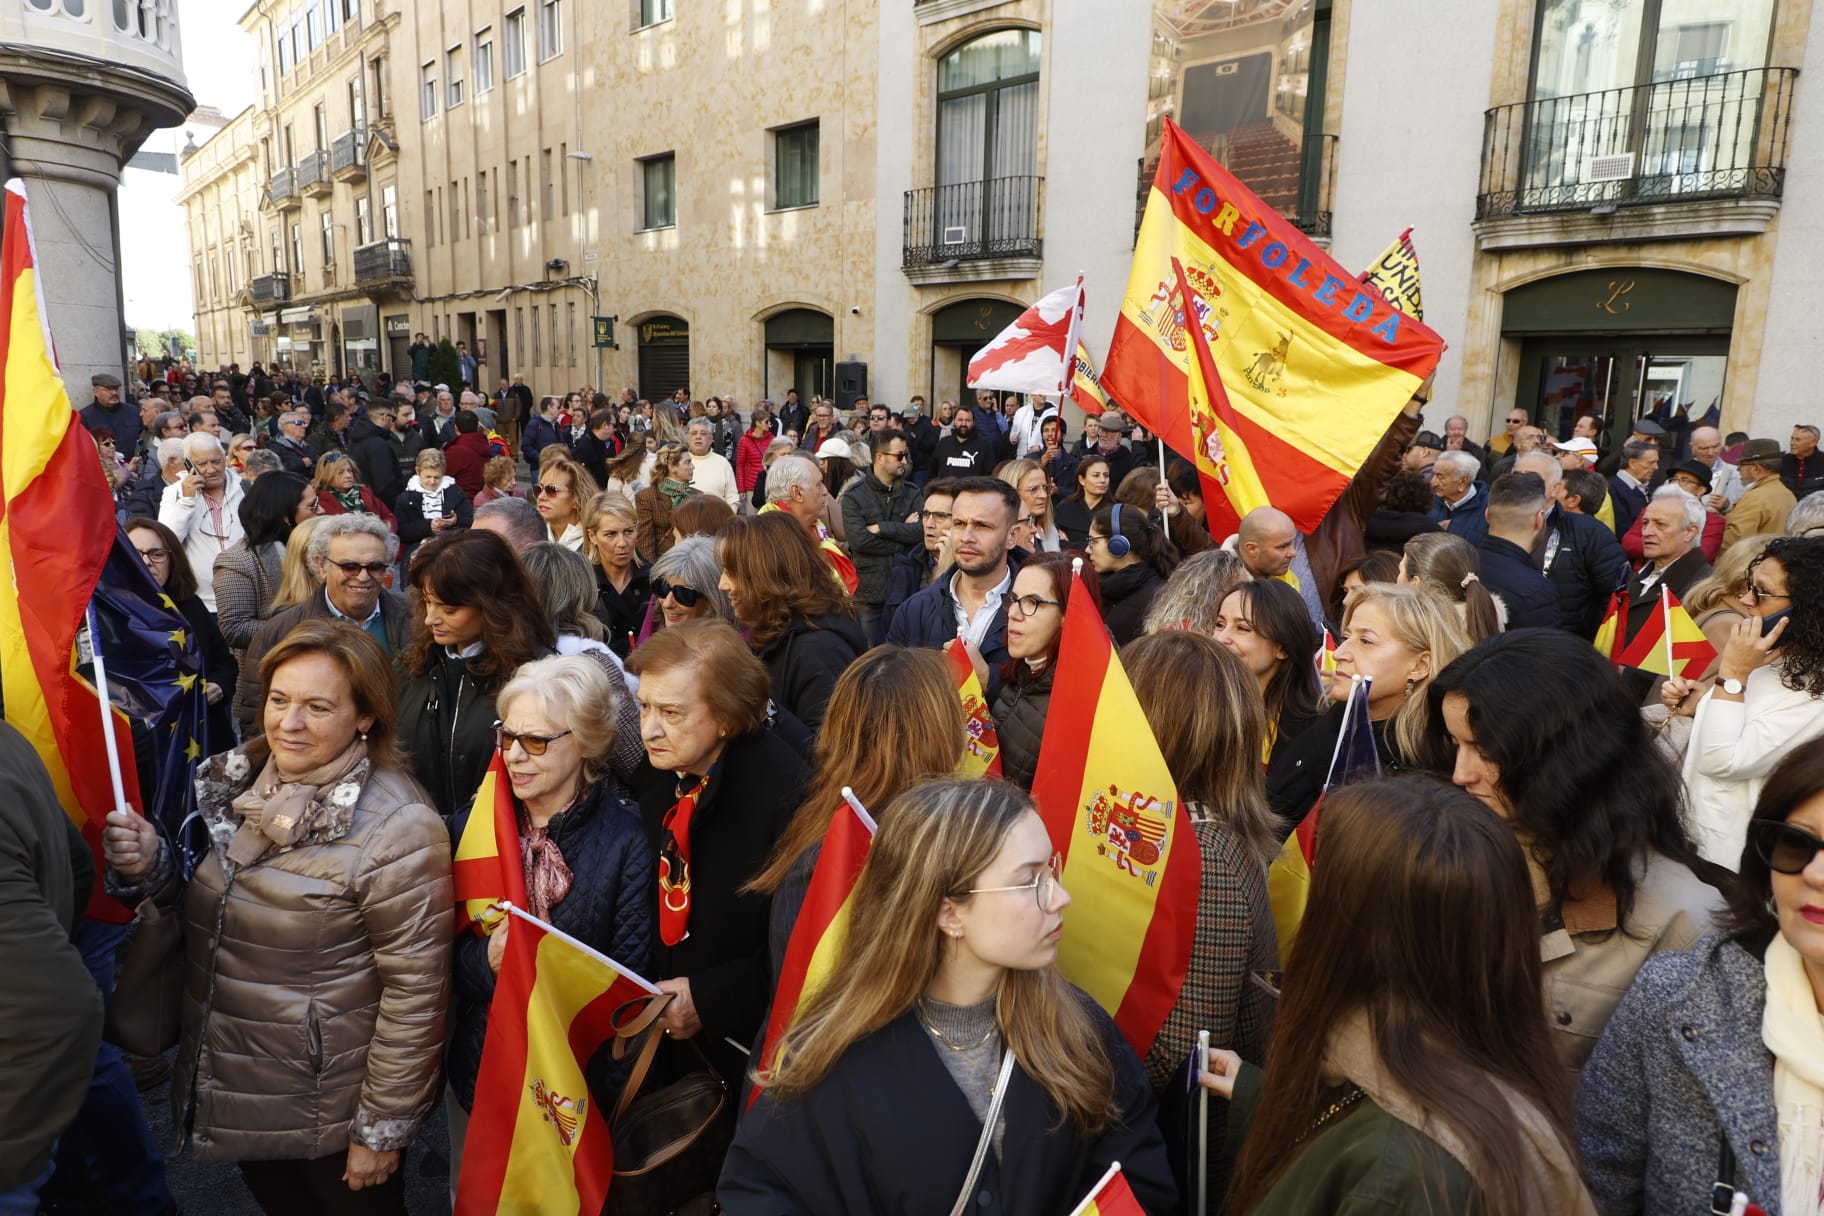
x=674, y=865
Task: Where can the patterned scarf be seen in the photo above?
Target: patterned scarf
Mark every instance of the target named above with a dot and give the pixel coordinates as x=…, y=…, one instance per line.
x=351, y=500
x=677, y=491
x=548, y=878
x=1789, y=1028
x=674, y=864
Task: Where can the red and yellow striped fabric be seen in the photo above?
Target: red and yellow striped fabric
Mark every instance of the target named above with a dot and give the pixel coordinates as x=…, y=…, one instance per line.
x=488, y=866
x=537, y=1142
x=822, y=926
x=1112, y=1197
x=982, y=744
x=1669, y=644
x=1130, y=860
x=1395, y=274
x=57, y=526
x=1316, y=364
x=1086, y=386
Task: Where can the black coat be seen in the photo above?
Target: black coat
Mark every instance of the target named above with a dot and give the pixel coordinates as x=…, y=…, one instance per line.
x=1529, y=597
x=415, y=528
x=1627, y=502
x=751, y=796
x=867, y=501
x=610, y=906
x=299, y=458
x=376, y=455
x=806, y=663
x=889, y=1133
x=593, y=454
x=1390, y=530
x=446, y=725
x=1584, y=563
x=540, y=433
x=1072, y=516
x=1126, y=595
x=623, y=612
x=1019, y=723
x=1296, y=772
x=1802, y=475
x=219, y=668
x=959, y=457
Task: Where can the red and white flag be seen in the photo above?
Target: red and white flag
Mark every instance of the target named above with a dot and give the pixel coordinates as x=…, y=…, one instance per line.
x=1037, y=353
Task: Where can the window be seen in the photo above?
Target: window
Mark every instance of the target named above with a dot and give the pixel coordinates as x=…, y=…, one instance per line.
x=987, y=134
x=452, y=74
x=313, y=26
x=427, y=91
x=332, y=16
x=651, y=12
x=553, y=316
x=513, y=43
x=572, y=333
x=357, y=106
x=481, y=202
x=484, y=61
x=430, y=217
x=297, y=249
x=537, y=354
x=795, y=166
x=389, y=211
x=284, y=54
x=547, y=188
x=364, y=222
x=519, y=329
x=329, y=239
x=278, y=252
x=377, y=90
x=320, y=122
x=658, y=177
x=550, y=29
x=513, y=193
x=455, y=232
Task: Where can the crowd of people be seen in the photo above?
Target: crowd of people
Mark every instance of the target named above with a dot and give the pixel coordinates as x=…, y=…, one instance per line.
x=1565, y=953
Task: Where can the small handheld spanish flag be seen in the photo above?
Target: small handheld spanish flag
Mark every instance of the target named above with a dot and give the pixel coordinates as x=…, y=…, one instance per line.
x=1111, y=1197
x=981, y=744
x=488, y=869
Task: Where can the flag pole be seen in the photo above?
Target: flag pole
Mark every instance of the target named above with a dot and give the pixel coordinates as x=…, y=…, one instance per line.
x=1160, y=439
x=1113, y=1169
x=592, y=952
x=106, y=702
x=1203, y=1125
x=1665, y=613
x=861, y=812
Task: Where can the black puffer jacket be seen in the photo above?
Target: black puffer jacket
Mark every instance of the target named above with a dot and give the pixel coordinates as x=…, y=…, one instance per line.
x=1019, y=722
x=1126, y=595
x=446, y=724
x=1585, y=564
x=610, y=907
x=806, y=663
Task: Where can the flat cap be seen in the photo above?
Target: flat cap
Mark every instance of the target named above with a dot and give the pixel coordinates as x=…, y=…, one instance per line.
x=104, y=380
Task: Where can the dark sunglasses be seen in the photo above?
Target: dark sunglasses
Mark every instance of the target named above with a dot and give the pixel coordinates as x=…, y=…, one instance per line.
x=535, y=745
x=1785, y=849
x=350, y=569
x=687, y=597
x=549, y=491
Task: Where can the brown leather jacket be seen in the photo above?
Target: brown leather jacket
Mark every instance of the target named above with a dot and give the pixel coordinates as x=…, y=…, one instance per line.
x=318, y=977
x=1337, y=539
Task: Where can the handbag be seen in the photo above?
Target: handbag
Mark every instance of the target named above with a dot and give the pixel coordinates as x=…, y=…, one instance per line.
x=668, y=1145
x=145, y=1012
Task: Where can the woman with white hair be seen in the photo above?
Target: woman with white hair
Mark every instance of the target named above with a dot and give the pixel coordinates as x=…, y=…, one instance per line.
x=686, y=584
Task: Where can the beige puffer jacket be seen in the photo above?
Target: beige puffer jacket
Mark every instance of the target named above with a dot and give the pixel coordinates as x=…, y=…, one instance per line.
x=318, y=976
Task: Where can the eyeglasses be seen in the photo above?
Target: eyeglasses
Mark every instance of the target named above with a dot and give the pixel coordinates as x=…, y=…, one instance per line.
x=351, y=569
x=534, y=745
x=151, y=556
x=550, y=491
x=1756, y=595
x=1029, y=605
x=105, y=442
x=899, y=456
x=686, y=597
x=1786, y=849
x=1025, y=521
x=942, y=517
x=1043, y=887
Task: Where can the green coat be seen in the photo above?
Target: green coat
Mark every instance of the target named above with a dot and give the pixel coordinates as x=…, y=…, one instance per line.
x=1364, y=1161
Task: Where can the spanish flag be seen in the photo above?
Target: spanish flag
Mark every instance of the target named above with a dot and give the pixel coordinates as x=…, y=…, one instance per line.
x=981, y=744
x=822, y=927
x=1086, y=386
x=1670, y=643
x=1395, y=274
x=1612, y=631
x=57, y=526
x=1112, y=1197
x=537, y=1140
x=1130, y=859
x=840, y=564
x=1316, y=364
x=488, y=867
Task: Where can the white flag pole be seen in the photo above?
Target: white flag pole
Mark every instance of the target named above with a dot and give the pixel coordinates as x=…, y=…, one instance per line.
x=1665, y=610
x=1113, y=1169
x=592, y=952
x=861, y=812
x=1203, y=1125
x=107, y=711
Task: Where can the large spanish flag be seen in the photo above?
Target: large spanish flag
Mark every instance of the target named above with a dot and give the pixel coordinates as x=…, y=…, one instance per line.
x=822, y=926
x=982, y=743
x=1130, y=860
x=57, y=527
x=537, y=1140
x=489, y=868
x=1316, y=364
x=1112, y=1197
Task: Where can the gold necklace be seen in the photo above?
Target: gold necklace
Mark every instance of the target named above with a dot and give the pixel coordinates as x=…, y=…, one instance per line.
x=1332, y=1111
x=947, y=1041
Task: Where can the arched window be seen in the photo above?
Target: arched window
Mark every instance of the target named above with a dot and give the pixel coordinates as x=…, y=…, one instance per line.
x=988, y=108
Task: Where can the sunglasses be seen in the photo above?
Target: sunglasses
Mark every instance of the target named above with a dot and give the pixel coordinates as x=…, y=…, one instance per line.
x=351, y=569
x=534, y=745
x=1785, y=849
x=686, y=597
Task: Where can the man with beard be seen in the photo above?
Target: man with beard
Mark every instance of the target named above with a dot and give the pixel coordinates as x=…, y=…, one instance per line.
x=967, y=602
x=963, y=452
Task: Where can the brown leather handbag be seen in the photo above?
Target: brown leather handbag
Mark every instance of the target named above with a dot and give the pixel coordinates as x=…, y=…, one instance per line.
x=668, y=1145
x=145, y=1013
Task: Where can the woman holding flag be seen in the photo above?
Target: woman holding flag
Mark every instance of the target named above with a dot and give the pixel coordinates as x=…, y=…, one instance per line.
x=945, y=1013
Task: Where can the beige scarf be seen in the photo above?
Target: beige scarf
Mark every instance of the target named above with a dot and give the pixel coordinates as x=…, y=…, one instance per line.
x=1551, y=1174
x=1794, y=1034
x=276, y=812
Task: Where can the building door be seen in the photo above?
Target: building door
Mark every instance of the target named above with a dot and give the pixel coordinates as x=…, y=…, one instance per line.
x=958, y=332
x=800, y=354
x=664, y=357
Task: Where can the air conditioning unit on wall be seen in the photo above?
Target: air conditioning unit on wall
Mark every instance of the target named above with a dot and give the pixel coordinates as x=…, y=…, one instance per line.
x=956, y=234
x=1616, y=168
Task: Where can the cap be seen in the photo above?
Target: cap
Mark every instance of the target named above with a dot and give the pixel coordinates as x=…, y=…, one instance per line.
x=1646, y=426
x=442, y=388
x=1114, y=422
x=835, y=447
x=1579, y=444
x=1760, y=450
x=1695, y=469
x=104, y=380
x=1428, y=439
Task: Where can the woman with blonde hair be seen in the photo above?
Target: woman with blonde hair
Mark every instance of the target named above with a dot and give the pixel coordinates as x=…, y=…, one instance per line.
x=1448, y=566
x=431, y=504
x=1398, y=637
x=652, y=506
x=627, y=472
x=564, y=490
x=297, y=582
x=1028, y=479
x=945, y=993
x=1192, y=598
x=339, y=490
x=623, y=588
x=891, y=692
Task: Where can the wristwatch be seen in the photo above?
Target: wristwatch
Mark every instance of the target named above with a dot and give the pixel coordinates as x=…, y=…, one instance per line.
x=1734, y=688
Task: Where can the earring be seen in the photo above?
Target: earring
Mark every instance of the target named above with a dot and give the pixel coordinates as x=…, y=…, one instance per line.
x=1411, y=684
x=364, y=736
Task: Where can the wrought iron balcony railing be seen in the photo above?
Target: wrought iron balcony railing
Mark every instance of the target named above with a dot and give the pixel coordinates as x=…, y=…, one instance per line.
x=313, y=174
x=994, y=218
x=283, y=188
x=348, y=154
x=270, y=289
x=383, y=261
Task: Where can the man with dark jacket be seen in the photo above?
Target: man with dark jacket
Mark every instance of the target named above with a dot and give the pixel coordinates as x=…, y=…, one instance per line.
x=968, y=602
x=964, y=452
x=468, y=454
x=793, y=416
x=1628, y=485
x=376, y=451
x=541, y=433
x=1802, y=469
x=295, y=455
x=107, y=412
x=596, y=448
x=1577, y=553
x=420, y=354
x=1517, y=505
x=1461, y=496
x=879, y=514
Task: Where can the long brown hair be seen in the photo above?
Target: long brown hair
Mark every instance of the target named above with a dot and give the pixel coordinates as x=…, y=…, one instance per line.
x=934, y=840
x=180, y=576
x=478, y=569
x=783, y=580
x=891, y=692
x=1421, y=919
x=1205, y=709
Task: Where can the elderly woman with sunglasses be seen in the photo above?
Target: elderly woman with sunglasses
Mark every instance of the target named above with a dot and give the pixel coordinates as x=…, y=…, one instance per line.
x=686, y=585
x=1707, y=1086
x=340, y=492
x=588, y=865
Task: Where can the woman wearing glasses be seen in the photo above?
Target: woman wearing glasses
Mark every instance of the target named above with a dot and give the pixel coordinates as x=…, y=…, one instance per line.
x=340, y=492
x=1035, y=625
x=239, y=448
x=564, y=491
x=170, y=569
x=947, y=983
x=622, y=580
x=686, y=585
x=1712, y=1070
x=1768, y=698
x=588, y=866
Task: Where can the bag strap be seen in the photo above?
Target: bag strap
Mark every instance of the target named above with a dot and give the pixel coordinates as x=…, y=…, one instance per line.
x=981, y=1146
x=648, y=1051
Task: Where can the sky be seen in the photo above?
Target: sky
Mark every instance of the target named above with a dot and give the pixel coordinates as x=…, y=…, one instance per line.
x=218, y=54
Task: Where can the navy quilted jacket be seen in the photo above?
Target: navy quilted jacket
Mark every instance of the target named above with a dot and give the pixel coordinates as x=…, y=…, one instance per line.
x=610, y=907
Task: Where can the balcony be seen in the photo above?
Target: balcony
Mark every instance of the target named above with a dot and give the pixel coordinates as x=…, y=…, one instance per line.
x=282, y=190
x=970, y=231
x=348, y=156
x=383, y=262
x=270, y=289
x=1704, y=156
x=313, y=175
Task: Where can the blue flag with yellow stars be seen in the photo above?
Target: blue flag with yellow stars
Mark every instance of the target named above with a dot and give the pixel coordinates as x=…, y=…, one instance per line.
x=155, y=680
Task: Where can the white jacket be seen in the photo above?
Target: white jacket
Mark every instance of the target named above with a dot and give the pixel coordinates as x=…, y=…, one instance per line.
x=1734, y=746
x=203, y=536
